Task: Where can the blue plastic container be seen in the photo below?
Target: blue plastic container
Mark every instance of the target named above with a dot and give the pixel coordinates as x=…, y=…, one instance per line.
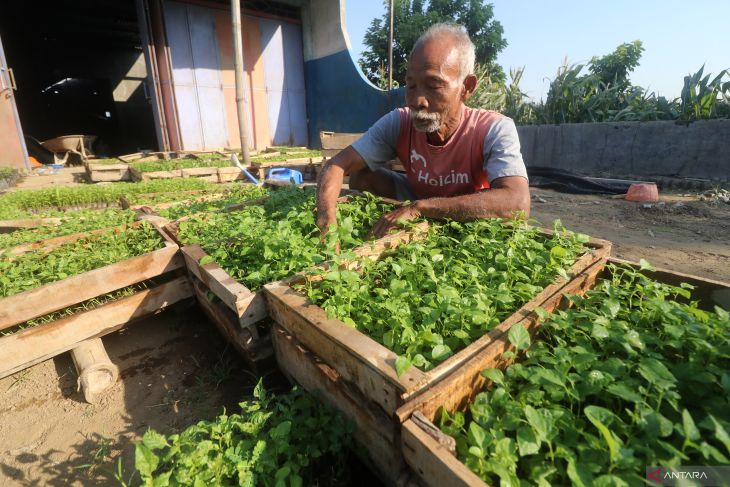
x=284, y=174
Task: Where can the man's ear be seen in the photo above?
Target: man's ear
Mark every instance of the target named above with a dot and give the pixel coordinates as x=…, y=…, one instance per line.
x=468, y=87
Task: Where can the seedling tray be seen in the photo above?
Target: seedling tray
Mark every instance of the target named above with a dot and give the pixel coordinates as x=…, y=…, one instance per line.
x=248, y=306
x=98, y=173
x=369, y=365
x=429, y=452
x=32, y=345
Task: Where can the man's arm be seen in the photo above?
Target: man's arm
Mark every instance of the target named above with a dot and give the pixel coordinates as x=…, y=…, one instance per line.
x=508, y=198
x=330, y=184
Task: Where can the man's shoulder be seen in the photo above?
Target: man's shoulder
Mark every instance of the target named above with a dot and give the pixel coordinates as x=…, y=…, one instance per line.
x=482, y=114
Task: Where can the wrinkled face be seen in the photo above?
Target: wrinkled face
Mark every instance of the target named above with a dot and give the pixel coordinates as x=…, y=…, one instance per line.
x=433, y=91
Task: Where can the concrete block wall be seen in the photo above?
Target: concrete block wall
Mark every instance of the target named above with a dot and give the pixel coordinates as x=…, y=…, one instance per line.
x=696, y=150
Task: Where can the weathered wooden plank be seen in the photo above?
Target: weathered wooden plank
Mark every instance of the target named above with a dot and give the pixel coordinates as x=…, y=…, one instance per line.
x=213, y=276
x=34, y=345
x=108, y=177
x=131, y=157
x=333, y=142
x=228, y=174
x=51, y=297
x=199, y=171
x=28, y=223
x=376, y=432
x=107, y=167
x=358, y=358
x=254, y=351
x=249, y=307
x=53, y=243
x=432, y=462
x=138, y=175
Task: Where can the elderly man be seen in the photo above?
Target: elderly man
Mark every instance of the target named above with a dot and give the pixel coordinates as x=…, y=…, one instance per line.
x=461, y=163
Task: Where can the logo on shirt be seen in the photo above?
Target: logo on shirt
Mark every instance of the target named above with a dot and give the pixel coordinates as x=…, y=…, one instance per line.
x=425, y=177
x=415, y=156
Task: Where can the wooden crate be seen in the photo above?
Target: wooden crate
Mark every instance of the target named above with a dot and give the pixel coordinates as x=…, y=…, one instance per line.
x=370, y=365
x=98, y=173
x=247, y=307
x=308, y=166
x=429, y=452
x=257, y=352
x=206, y=173
x=375, y=432
x=228, y=174
x=30, y=346
x=334, y=142
x=138, y=175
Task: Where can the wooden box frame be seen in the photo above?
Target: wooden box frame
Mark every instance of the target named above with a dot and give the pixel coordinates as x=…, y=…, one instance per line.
x=375, y=432
x=32, y=345
x=248, y=306
x=98, y=173
x=369, y=365
x=428, y=451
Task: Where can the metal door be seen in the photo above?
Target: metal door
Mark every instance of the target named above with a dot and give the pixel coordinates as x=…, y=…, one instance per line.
x=199, y=96
x=12, y=145
x=281, y=45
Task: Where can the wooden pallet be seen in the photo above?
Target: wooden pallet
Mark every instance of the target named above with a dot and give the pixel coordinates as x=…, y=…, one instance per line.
x=98, y=173
x=429, y=452
x=375, y=432
x=27, y=347
x=370, y=365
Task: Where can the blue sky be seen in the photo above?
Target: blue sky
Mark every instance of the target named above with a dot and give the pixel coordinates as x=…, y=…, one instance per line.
x=678, y=36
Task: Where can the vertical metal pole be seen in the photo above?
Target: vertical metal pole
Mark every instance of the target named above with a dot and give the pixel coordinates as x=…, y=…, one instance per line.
x=390, y=48
x=238, y=67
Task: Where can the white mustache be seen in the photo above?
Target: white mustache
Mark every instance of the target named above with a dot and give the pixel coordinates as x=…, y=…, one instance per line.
x=424, y=116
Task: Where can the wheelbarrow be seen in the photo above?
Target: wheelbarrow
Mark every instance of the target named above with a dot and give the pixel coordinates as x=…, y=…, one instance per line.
x=62, y=147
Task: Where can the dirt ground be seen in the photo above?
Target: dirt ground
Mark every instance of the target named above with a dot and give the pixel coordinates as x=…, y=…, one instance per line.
x=680, y=232
x=175, y=368
x=66, y=176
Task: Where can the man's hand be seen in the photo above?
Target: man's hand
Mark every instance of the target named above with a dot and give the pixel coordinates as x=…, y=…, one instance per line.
x=390, y=220
x=324, y=220
x=330, y=183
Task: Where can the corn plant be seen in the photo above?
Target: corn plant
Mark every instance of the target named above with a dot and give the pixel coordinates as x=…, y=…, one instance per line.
x=704, y=99
x=507, y=99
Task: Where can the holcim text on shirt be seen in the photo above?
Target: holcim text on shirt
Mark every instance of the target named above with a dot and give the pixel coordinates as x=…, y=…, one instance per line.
x=452, y=178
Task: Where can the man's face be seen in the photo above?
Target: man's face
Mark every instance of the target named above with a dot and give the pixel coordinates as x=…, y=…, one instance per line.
x=433, y=91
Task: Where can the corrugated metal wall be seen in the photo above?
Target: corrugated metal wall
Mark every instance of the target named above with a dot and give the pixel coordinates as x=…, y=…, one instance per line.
x=200, y=44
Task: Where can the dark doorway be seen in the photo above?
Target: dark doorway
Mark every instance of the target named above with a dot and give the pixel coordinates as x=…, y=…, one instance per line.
x=80, y=69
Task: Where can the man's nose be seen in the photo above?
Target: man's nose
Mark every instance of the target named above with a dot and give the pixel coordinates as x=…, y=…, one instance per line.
x=419, y=102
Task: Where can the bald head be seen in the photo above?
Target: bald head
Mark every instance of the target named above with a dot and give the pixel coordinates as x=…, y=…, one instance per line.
x=456, y=46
